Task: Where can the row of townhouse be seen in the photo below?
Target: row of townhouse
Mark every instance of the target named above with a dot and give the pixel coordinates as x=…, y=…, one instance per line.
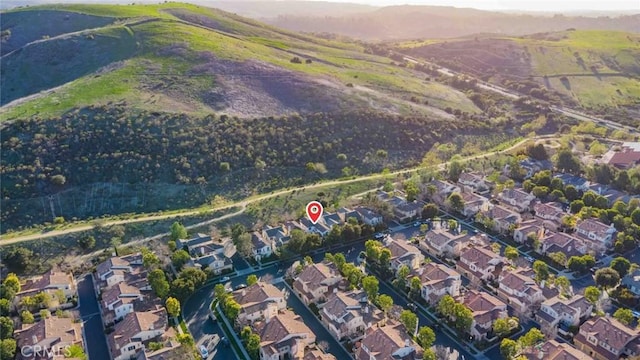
x=205, y=252
x=128, y=304
x=348, y=315
x=268, y=239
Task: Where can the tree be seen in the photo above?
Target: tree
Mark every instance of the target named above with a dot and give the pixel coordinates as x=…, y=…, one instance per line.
x=566, y=161
x=592, y=294
x=621, y=265
x=456, y=202
x=455, y=169
x=27, y=317
x=253, y=346
x=541, y=269
x=409, y=320
x=416, y=285
x=6, y=327
x=503, y=326
x=623, y=315
x=178, y=231
x=559, y=257
x=173, y=306
x=180, y=258
x=537, y=152
x=403, y=272
x=12, y=282
x=607, y=278
x=45, y=314
x=446, y=306
x=635, y=216
x=220, y=293
x=75, y=351
x=385, y=258
x=564, y=285
x=5, y=307
x=531, y=338
x=149, y=259
x=511, y=253
x=245, y=246
x=508, y=348
x=159, y=284
x=18, y=258
x=430, y=211
x=232, y=309
x=463, y=316
x=576, y=206
x=571, y=193
x=185, y=340
x=426, y=337
x=496, y=247
x=385, y=303
x=370, y=286
x=411, y=189
x=87, y=242
x=7, y=349
x=182, y=289
x=252, y=279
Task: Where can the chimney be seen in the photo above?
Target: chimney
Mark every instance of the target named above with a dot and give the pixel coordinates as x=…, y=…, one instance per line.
x=244, y=292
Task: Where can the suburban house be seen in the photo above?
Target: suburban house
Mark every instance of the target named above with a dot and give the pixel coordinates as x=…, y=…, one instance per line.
x=315, y=282
x=443, y=189
x=553, y=350
x=474, y=182
x=50, y=282
x=518, y=199
x=405, y=211
x=599, y=234
x=605, y=338
x=480, y=263
x=118, y=265
x=284, y=336
x=260, y=301
x=625, y=159
x=569, y=245
x=532, y=166
x=561, y=313
x=486, y=309
x=315, y=354
x=207, y=253
x=321, y=228
x=262, y=246
x=348, y=315
x=503, y=218
x=118, y=301
x=403, y=253
x=550, y=213
x=171, y=348
x=129, y=335
x=368, y=216
x=578, y=182
x=51, y=334
x=388, y=342
x=474, y=204
x=437, y=281
x=535, y=226
x=519, y=290
x=632, y=282
x=441, y=242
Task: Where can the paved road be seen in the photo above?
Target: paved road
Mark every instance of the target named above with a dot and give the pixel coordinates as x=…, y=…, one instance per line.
x=94, y=334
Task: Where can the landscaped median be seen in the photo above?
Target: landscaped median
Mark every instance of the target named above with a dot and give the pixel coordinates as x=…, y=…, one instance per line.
x=236, y=344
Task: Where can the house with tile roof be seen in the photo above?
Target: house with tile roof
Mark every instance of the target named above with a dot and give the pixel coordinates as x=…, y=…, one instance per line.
x=260, y=301
x=206, y=252
x=518, y=199
x=47, y=338
x=632, y=282
x=480, y=263
x=50, y=282
x=519, y=290
x=503, y=218
x=562, y=313
x=440, y=241
x=553, y=242
x=284, y=336
x=474, y=182
x=315, y=354
x=388, y=342
x=553, y=350
x=118, y=301
x=171, y=349
x=315, y=282
x=443, y=189
x=534, y=226
x=136, y=329
x=123, y=263
x=368, y=216
x=605, y=338
x=486, y=309
x=437, y=281
x=599, y=235
x=348, y=314
x=474, y=204
x=578, y=182
x=551, y=213
x=403, y=253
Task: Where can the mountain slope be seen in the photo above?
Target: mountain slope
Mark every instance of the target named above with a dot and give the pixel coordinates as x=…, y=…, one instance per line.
x=195, y=59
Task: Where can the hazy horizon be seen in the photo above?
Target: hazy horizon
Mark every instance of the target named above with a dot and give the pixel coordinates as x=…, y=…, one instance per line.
x=525, y=5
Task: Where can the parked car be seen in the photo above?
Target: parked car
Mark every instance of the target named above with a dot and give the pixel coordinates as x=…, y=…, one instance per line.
x=529, y=258
x=241, y=286
x=378, y=235
x=412, y=306
x=417, y=223
x=224, y=279
x=204, y=352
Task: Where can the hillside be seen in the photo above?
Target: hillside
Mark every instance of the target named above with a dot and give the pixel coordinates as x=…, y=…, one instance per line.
x=168, y=106
x=196, y=60
x=419, y=22
x=595, y=70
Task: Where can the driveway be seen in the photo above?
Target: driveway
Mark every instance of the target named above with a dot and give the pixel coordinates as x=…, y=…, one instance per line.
x=90, y=313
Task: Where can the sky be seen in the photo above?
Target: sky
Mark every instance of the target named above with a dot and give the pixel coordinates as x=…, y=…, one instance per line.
x=528, y=5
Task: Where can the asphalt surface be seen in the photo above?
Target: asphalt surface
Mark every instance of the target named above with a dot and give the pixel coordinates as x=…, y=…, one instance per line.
x=90, y=313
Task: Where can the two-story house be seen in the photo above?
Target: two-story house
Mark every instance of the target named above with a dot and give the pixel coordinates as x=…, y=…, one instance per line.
x=632, y=282
x=605, y=338
x=50, y=282
x=50, y=336
x=535, y=227
x=474, y=182
x=210, y=254
x=561, y=313
x=518, y=199
x=368, y=216
x=437, y=281
x=554, y=242
x=118, y=301
x=388, y=342
x=135, y=329
x=553, y=350
x=348, y=314
x=117, y=266
x=443, y=189
x=474, y=204
x=600, y=235
x=503, y=218
x=262, y=247
x=485, y=309
x=551, y=214
x=580, y=183
x=403, y=253
x=519, y=290
x=480, y=263
x=284, y=336
x=443, y=242
x=260, y=301
x=315, y=282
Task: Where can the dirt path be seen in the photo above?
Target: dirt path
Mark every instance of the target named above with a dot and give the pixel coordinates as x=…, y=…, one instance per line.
x=243, y=203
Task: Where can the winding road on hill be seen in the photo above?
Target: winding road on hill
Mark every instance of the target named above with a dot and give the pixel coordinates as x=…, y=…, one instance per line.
x=242, y=204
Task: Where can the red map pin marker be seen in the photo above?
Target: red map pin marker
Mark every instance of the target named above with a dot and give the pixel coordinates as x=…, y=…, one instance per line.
x=314, y=211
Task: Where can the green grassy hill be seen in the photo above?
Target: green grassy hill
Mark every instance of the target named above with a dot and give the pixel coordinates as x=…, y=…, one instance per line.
x=592, y=69
x=197, y=60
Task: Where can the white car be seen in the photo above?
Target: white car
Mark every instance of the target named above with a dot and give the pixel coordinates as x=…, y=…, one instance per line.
x=204, y=352
x=378, y=235
x=224, y=279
